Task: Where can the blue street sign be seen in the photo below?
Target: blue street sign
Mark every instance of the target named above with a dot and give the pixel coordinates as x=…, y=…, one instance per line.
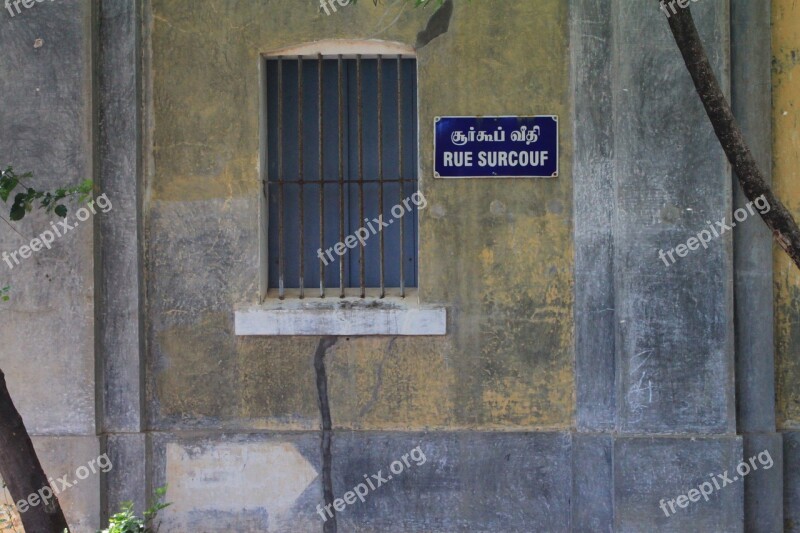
x=496, y=147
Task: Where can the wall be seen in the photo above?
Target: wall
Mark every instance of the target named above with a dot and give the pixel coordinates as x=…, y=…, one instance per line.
x=497, y=254
x=572, y=391
x=786, y=157
x=48, y=324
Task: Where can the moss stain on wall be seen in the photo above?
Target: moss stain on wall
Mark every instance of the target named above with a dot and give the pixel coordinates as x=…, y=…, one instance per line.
x=786, y=161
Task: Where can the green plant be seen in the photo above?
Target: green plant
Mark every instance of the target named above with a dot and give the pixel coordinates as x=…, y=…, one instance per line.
x=126, y=520
x=24, y=202
x=49, y=201
x=8, y=518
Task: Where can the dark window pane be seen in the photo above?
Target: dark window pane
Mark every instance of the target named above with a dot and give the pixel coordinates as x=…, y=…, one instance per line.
x=284, y=172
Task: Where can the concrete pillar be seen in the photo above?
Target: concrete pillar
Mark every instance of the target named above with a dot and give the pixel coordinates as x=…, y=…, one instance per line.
x=119, y=273
x=654, y=342
x=751, y=66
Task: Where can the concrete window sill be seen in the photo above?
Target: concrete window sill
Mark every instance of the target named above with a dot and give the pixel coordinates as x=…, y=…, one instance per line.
x=341, y=316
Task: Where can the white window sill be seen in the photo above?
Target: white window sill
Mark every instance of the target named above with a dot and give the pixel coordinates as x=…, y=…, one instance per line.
x=341, y=316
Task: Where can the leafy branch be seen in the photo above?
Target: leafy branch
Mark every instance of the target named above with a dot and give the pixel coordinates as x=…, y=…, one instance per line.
x=25, y=201
x=126, y=520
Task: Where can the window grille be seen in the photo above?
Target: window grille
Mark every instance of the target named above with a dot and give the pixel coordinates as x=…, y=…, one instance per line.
x=341, y=152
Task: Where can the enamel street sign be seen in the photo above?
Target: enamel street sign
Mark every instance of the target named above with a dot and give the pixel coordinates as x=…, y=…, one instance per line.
x=496, y=147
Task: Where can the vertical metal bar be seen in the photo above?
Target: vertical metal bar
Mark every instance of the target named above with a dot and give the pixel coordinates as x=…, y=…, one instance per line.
x=359, y=105
x=380, y=166
x=281, y=249
x=341, y=176
x=402, y=182
x=321, y=179
x=301, y=203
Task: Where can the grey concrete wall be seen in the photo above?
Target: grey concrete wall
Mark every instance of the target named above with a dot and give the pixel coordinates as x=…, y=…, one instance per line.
x=47, y=129
x=649, y=173
x=791, y=473
x=120, y=295
x=751, y=59
x=594, y=199
x=482, y=482
x=48, y=325
x=654, y=344
x=674, y=327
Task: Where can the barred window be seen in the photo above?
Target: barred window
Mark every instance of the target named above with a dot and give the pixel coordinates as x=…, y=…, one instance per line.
x=340, y=150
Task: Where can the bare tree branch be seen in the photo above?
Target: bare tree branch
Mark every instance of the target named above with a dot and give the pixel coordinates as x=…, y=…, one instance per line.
x=778, y=218
x=22, y=471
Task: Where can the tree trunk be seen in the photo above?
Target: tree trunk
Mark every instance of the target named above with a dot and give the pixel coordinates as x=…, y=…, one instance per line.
x=22, y=472
x=778, y=218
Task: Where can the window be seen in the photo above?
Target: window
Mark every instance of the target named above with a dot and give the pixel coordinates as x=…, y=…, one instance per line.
x=339, y=139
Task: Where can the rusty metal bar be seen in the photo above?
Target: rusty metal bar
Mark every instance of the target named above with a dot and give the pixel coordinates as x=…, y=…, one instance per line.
x=321, y=182
x=359, y=105
x=281, y=249
x=380, y=166
x=301, y=203
x=336, y=181
x=341, y=175
x=345, y=180
x=400, y=167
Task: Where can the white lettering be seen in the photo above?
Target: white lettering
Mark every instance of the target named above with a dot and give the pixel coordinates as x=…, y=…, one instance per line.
x=458, y=159
x=512, y=159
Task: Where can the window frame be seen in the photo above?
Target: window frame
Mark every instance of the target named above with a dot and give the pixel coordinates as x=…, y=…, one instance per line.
x=328, y=49
x=351, y=315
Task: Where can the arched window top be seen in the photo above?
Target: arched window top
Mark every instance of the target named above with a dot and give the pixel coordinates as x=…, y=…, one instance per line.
x=347, y=48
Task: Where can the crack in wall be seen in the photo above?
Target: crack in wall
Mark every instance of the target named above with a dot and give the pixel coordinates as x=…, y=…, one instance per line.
x=325, y=344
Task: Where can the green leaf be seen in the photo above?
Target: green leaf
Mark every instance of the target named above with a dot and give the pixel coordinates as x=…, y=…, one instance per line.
x=17, y=212
x=61, y=210
x=7, y=184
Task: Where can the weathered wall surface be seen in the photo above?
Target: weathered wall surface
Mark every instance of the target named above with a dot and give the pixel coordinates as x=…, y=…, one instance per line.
x=496, y=253
x=786, y=150
x=498, y=256
x=654, y=342
x=504, y=272
x=231, y=423
x=46, y=87
x=786, y=159
x=47, y=329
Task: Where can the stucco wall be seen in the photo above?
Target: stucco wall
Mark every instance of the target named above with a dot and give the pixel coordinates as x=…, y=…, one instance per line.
x=786, y=150
x=47, y=326
x=786, y=160
x=496, y=252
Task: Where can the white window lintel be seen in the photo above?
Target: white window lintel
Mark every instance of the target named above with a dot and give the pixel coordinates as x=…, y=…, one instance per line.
x=347, y=48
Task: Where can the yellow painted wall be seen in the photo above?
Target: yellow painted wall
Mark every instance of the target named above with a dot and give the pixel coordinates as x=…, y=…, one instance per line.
x=498, y=253
x=786, y=178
